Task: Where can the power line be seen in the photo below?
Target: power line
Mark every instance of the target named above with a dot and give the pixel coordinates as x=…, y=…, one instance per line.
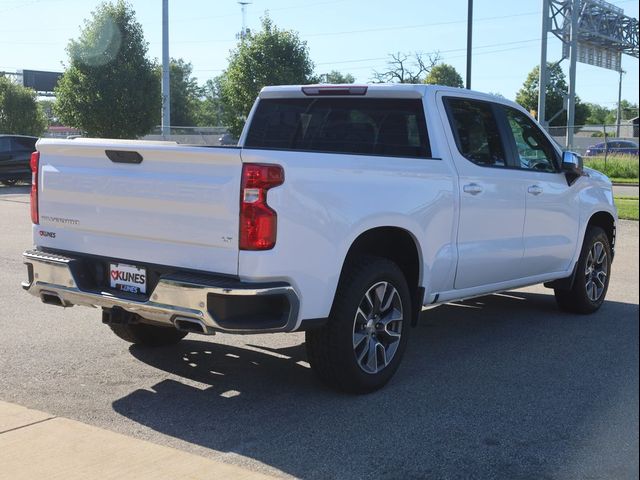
x=227, y=15
x=323, y=34
x=446, y=57
x=383, y=29
x=420, y=25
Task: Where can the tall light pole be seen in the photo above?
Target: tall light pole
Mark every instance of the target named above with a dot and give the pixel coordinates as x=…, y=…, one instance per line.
x=469, y=38
x=243, y=6
x=542, y=79
x=573, y=58
x=619, y=112
x=166, y=90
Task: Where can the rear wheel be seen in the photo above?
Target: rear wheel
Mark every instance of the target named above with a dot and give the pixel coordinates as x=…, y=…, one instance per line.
x=592, y=275
x=361, y=346
x=9, y=182
x=148, y=335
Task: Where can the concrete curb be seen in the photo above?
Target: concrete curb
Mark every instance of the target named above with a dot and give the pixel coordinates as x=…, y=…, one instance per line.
x=35, y=444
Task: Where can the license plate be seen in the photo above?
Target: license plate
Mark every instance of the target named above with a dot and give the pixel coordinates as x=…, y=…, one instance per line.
x=128, y=278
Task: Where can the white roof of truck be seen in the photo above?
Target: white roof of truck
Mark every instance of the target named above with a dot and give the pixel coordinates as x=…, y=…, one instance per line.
x=377, y=90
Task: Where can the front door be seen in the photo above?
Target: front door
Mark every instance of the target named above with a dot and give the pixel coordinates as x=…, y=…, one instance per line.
x=552, y=219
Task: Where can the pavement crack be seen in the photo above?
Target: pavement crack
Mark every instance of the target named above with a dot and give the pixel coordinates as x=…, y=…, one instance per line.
x=27, y=425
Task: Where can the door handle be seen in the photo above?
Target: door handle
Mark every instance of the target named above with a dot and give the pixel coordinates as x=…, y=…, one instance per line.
x=472, y=188
x=535, y=190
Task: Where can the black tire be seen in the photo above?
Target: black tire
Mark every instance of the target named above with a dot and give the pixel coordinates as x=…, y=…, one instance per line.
x=9, y=182
x=590, y=285
x=147, y=335
x=330, y=349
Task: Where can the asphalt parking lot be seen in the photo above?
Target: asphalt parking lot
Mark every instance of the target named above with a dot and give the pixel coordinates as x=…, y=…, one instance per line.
x=504, y=386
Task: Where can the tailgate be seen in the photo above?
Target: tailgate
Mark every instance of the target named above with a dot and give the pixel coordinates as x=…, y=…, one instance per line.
x=179, y=206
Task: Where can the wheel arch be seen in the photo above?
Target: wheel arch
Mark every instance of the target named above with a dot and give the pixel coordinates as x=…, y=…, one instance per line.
x=398, y=245
x=607, y=222
x=602, y=219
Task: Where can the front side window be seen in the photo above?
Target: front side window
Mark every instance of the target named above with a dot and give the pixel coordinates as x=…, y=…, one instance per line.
x=366, y=126
x=476, y=131
x=535, y=152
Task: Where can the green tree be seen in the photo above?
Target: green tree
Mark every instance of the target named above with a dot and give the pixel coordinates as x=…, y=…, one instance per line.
x=334, y=77
x=110, y=88
x=184, y=93
x=629, y=110
x=47, y=108
x=444, y=74
x=210, y=105
x=556, y=89
x=269, y=56
x=19, y=110
x=599, y=115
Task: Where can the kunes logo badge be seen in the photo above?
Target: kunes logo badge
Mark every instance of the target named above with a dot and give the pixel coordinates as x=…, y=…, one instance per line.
x=128, y=276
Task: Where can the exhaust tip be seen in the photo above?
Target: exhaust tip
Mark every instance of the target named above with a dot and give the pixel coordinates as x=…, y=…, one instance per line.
x=51, y=298
x=192, y=325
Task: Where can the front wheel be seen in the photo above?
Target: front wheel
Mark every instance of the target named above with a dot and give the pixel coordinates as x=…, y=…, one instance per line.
x=592, y=275
x=361, y=346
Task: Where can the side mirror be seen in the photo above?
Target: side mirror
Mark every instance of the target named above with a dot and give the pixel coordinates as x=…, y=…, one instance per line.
x=572, y=163
x=572, y=166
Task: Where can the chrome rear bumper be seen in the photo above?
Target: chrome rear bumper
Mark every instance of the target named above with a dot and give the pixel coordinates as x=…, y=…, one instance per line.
x=217, y=303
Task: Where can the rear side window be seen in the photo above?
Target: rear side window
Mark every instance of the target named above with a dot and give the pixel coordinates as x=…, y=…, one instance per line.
x=5, y=144
x=476, y=131
x=20, y=143
x=365, y=126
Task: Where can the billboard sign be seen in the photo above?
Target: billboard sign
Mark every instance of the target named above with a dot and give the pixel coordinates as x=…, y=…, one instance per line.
x=40, y=81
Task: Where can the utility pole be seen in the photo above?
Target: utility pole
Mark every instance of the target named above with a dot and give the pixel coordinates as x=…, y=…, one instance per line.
x=166, y=90
x=469, y=40
x=542, y=79
x=243, y=6
x=573, y=59
x=619, y=113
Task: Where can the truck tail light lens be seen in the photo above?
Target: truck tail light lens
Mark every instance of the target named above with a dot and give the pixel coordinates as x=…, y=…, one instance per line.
x=35, y=161
x=258, y=221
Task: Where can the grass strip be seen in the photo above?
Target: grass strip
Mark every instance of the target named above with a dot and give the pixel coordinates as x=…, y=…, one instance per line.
x=630, y=181
x=620, y=167
x=627, y=207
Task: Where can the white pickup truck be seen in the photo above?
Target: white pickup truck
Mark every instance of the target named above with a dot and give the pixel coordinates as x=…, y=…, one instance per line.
x=343, y=211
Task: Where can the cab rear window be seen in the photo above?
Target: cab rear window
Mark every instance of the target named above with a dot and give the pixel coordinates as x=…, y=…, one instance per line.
x=365, y=126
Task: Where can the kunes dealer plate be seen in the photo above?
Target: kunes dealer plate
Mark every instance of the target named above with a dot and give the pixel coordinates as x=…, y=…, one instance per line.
x=128, y=278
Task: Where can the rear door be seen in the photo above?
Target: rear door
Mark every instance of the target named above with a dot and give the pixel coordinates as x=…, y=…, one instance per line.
x=492, y=203
x=145, y=202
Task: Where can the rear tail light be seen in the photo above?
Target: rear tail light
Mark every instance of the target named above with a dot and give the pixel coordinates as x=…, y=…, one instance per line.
x=258, y=222
x=35, y=161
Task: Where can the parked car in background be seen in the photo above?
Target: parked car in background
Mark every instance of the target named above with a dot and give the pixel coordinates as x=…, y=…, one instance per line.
x=619, y=147
x=15, y=153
